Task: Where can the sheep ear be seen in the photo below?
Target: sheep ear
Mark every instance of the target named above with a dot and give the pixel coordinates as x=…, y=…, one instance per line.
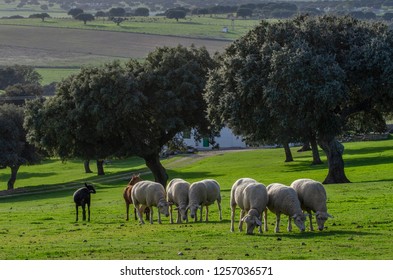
x=330, y=216
x=245, y=218
x=176, y=209
x=258, y=222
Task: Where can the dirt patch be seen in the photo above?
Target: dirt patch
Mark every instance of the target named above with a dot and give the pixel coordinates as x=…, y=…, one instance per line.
x=40, y=46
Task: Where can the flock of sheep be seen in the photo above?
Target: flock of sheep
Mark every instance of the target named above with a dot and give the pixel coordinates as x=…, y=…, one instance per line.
x=252, y=197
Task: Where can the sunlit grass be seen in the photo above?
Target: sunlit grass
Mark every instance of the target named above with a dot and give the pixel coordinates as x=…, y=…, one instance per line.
x=41, y=225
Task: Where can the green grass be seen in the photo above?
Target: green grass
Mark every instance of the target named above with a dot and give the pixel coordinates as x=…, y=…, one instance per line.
x=40, y=224
x=50, y=75
x=193, y=26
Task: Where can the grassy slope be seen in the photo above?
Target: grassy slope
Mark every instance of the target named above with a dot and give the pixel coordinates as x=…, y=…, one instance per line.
x=41, y=226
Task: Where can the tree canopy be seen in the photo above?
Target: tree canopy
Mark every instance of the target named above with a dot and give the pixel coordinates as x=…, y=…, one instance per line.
x=85, y=17
x=118, y=110
x=309, y=75
x=14, y=149
x=18, y=74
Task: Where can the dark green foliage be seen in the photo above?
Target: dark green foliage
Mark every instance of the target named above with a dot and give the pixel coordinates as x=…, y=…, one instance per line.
x=18, y=74
x=307, y=75
x=120, y=110
x=74, y=12
x=244, y=12
x=14, y=149
x=42, y=16
x=84, y=17
x=142, y=12
x=117, y=12
x=176, y=14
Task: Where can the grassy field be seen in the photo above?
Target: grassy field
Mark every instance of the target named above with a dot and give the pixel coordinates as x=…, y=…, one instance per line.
x=192, y=26
x=41, y=224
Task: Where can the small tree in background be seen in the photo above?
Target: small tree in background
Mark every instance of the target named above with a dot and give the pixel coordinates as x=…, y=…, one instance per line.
x=42, y=16
x=176, y=13
x=85, y=17
x=74, y=12
x=142, y=12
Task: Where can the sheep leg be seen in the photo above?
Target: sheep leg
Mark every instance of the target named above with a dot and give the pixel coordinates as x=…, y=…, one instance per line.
x=200, y=218
x=310, y=216
x=233, y=208
x=84, y=212
x=88, y=212
x=265, y=219
x=135, y=214
x=159, y=216
x=207, y=213
x=178, y=216
x=171, y=214
x=219, y=209
x=76, y=207
x=260, y=227
x=277, y=229
x=137, y=210
x=289, y=224
x=127, y=211
x=242, y=213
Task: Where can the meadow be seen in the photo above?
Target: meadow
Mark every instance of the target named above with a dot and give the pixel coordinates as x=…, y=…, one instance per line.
x=39, y=222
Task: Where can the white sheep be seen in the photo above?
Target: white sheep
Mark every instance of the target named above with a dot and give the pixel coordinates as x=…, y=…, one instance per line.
x=177, y=194
x=251, y=197
x=203, y=193
x=283, y=200
x=148, y=194
x=312, y=197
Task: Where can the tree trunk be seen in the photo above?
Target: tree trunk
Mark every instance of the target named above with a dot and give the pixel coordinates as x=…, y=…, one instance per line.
x=11, y=181
x=288, y=153
x=315, y=152
x=100, y=167
x=334, y=151
x=159, y=172
x=86, y=164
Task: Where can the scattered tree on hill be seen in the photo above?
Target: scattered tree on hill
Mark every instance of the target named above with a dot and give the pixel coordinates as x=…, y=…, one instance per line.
x=118, y=20
x=309, y=74
x=176, y=14
x=14, y=150
x=142, y=12
x=117, y=12
x=74, y=12
x=42, y=16
x=85, y=17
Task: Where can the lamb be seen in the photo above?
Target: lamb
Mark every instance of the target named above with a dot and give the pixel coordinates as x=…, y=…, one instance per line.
x=203, y=193
x=177, y=193
x=148, y=194
x=127, y=196
x=81, y=198
x=312, y=197
x=251, y=197
x=283, y=200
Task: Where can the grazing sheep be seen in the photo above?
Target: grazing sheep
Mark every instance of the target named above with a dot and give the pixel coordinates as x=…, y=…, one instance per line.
x=127, y=196
x=177, y=193
x=251, y=197
x=283, y=200
x=81, y=198
x=148, y=194
x=203, y=193
x=312, y=197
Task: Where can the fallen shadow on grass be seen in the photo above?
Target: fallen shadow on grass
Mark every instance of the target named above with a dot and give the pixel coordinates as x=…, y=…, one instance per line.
x=312, y=234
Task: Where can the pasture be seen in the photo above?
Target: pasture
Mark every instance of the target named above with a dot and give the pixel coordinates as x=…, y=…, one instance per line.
x=39, y=223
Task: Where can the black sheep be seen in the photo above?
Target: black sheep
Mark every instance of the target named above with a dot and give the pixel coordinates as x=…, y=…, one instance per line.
x=81, y=198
